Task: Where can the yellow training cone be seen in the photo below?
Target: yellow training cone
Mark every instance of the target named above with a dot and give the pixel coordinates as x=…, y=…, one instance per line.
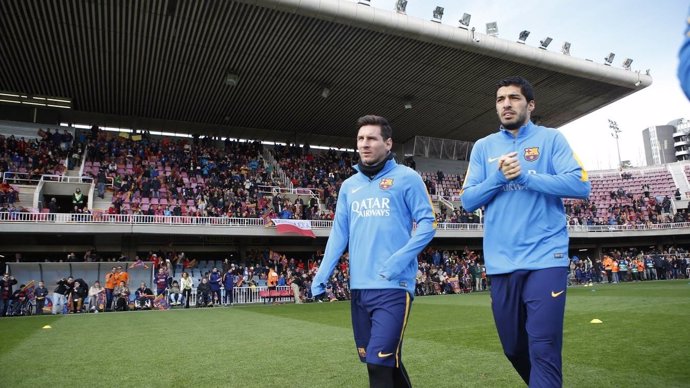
x=47, y=327
x=596, y=321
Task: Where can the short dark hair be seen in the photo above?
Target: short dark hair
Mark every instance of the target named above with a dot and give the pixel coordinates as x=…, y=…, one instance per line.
x=386, y=130
x=525, y=87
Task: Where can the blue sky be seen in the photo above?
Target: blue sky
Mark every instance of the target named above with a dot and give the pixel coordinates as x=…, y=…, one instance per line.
x=649, y=32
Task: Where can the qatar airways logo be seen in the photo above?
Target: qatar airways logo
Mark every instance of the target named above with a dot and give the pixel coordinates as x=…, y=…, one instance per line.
x=372, y=207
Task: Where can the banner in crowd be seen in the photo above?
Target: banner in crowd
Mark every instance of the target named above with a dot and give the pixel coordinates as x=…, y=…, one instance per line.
x=48, y=305
x=101, y=300
x=161, y=302
x=29, y=290
x=301, y=227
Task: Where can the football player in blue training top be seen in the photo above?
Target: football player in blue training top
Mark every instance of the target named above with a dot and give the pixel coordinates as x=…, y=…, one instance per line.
x=384, y=218
x=520, y=175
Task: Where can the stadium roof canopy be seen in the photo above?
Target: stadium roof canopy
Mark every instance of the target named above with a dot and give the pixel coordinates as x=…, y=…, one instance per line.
x=167, y=64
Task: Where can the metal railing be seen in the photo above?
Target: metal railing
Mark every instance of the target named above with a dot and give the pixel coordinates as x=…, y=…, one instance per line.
x=134, y=219
x=66, y=178
x=274, y=190
x=250, y=295
x=19, y=178
x=25, y=178
x=268, y=157
x=446, y=202
x=627, y=228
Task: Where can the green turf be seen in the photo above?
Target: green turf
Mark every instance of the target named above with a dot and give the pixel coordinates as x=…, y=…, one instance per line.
x=451, y=341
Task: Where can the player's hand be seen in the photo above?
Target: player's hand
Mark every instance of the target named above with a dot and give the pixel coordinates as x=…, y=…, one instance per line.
x=318, y=289
x=509, y=165
x=320, y=297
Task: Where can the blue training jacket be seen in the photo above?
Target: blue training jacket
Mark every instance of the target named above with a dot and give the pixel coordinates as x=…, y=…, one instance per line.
x=374, y=219
x=524, y=219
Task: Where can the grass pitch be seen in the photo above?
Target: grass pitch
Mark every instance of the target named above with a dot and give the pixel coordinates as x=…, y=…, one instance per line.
x=644, y=341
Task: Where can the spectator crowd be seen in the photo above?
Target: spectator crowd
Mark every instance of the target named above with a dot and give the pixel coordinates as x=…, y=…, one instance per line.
x=206, y=177
x=179, y=281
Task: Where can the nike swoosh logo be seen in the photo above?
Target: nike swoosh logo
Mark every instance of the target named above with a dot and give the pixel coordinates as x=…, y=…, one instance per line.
x=384, y=355
x=556, y=294
x=491, y=160
x=357, y=189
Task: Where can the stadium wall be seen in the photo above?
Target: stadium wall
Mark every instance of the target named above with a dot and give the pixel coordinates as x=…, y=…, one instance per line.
x=47, y=239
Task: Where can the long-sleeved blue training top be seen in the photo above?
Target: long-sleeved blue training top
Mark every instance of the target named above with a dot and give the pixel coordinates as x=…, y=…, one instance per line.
x=524, y=219
x=374, y=219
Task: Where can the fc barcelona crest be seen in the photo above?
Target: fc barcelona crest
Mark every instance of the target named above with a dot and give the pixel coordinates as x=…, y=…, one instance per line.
x=386, y=183
x=531, y=154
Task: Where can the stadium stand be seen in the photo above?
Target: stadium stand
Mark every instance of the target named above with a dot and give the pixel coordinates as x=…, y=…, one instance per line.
x=628, y=197
x=208, y=178
x=204, y=177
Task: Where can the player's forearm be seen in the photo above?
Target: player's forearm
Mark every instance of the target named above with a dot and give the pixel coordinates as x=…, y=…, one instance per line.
x=474, y=196
x=569, y=185
x=395, y=264
x=334, y=249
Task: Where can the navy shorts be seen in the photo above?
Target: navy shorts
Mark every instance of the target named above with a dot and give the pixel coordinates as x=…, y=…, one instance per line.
x=379, y=318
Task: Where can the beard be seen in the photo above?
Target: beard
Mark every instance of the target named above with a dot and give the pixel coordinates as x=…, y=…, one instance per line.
x=517, y=122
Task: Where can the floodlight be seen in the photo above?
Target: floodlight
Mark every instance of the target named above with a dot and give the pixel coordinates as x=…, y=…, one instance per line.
x=400, y=6
x=492, y=29
x=465, y=21
x=523, y=36
x=325, y=92
x=566, y=48
x=231, y=79
x=627, y=63
x=438, y=14
x=408, y=102
x=545, y=43
x=609, y=59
